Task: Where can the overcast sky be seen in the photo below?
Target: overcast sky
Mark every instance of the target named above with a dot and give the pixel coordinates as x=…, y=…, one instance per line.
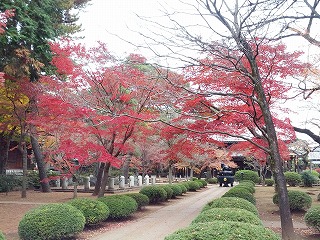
x=103, y=18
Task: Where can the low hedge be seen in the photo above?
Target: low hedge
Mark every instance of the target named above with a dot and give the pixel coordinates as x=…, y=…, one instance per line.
x=219, y=230
x=94, y=211
x=177, y=191
x=183, y=188
x=248, y=182
x=292, y=178
x=245, y=187
x=186, y=184
x=308, y=179
x=51, y=221
x=212, y=180
x=269, y=182
x=231, y=202
x=193, y=186
x=312, y=217
x=227, y=214
x=141, y=199
x=241, y=194
x=246, y=175
x=120, y=206
x=2, y=237
x=9, y=182
x=202, y=182
x=297, y=200
x=155, y=194
x=168, y=190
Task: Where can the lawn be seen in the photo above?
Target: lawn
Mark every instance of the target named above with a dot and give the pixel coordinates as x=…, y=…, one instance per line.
x=269, y=212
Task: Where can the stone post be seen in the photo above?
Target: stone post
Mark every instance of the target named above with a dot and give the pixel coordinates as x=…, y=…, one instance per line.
x=64, y=183
x=146, y=180
x=153, y=180
x=86, y=181
x=111, y=184
x=58, y=182
x=139, y=180
x=121, y=182
x=131, y=181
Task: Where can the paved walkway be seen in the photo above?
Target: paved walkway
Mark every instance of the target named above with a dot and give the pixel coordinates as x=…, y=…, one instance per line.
x=167, y=219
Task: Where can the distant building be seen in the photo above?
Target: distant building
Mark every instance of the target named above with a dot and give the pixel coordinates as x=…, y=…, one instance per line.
x=314, y=157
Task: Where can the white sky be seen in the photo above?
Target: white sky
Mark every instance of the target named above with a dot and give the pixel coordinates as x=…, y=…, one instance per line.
x=105, y=18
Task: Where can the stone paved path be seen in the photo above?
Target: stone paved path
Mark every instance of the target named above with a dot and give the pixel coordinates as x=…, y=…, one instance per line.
x=167, y=219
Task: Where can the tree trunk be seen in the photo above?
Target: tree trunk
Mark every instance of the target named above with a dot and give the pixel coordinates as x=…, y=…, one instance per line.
x=75, y=187
x=23, y=150
x=125, y=169
x=104, y=181
x=285, y=214
x=170, y=174
x=44, y=182
x=99, y=179
x=276, y=161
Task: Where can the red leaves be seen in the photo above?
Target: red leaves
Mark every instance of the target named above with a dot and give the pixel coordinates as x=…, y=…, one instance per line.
x=3, y=19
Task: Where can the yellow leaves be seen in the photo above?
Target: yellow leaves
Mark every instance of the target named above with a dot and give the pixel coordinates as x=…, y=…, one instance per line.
x=23, y=65
x=13, y=105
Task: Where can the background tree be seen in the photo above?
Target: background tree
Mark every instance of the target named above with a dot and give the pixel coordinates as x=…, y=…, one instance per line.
x=104, y=100
x=26, y=41
x=236, y=79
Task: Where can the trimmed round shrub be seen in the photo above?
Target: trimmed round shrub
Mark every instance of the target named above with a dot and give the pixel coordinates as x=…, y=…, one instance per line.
x=269, y=182
x=193, y=186
x=308, y=179
x=120, y=206
x=315, y=173
x=231, y=202
x=245, y=188
x=292, y=178
x=248, y=182
x=312, y=217
x=227, y=214
x=2, y=237
x=241, y=194
x=212, y=180
x=297, y=200
x=168, y=190
x=155, y=194
x=94, y=211
x=203, y=182
x=51, y=221
x=220, y=230
x=199, y=183
x=186, y=184
x=183, y=188
x=176, y=190
x=246, y=175
x=141, y=199
x=239, y=189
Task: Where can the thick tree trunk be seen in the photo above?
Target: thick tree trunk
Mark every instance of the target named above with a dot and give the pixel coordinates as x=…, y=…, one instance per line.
x=99, y=179
x=44, y=183
x=105, y=180
x=277, y=164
